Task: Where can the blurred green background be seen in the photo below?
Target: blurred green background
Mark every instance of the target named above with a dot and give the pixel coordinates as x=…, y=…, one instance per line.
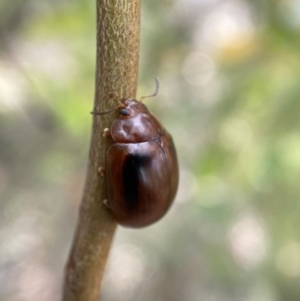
x=230, y=89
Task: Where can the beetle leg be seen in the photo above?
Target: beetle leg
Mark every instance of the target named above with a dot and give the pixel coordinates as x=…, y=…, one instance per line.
x=106, y=203
x=106, y=133
x=101, y=171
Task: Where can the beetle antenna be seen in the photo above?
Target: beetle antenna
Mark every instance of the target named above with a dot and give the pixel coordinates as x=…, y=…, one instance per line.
x=156, y=90
x=102, y=113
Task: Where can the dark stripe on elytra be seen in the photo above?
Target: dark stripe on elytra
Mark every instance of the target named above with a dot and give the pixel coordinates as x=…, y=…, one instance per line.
x=134, y=167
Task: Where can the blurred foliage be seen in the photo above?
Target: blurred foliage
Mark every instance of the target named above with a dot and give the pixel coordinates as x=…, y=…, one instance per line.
x=230, y=73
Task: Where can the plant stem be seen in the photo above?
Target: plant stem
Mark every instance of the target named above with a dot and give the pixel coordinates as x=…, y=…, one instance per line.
x=118, y=26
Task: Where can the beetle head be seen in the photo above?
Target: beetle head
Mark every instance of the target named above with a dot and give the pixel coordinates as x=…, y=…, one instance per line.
x=129, y=108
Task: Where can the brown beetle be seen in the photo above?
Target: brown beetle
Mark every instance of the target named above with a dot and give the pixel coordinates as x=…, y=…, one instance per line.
x=141, y=166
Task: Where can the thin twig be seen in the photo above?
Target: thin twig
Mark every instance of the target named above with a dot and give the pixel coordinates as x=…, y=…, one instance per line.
x=116, y=72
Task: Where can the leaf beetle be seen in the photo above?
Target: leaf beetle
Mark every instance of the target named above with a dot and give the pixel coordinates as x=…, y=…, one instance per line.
x=141, y=166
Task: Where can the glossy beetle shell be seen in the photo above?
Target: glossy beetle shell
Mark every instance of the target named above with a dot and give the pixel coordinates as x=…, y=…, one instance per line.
x=141, y=167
